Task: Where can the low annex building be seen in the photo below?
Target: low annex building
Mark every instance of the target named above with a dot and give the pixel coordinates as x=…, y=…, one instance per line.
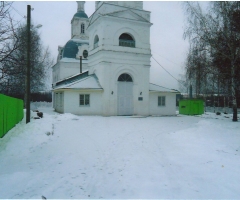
x=115, y=47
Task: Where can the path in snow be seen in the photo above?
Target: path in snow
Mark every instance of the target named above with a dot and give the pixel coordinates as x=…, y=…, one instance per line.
x=121, y=157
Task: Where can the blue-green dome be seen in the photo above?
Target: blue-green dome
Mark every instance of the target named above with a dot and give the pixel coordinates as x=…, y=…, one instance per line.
x=71, y=48
x=81, y=14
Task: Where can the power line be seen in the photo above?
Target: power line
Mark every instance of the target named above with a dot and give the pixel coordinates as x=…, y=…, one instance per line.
x=168, y=72
x=166, y=58
x=9, y=8
x=165, y=69
x=23, y=16
x=17, y=11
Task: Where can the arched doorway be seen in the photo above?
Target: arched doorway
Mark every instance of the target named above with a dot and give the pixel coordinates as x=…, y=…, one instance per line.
x=125, y=94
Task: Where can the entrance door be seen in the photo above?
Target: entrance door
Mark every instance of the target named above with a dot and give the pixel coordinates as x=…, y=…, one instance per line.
x=125, y=95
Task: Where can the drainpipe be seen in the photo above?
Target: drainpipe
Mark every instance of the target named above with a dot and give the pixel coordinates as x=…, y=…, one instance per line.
x=80, y=64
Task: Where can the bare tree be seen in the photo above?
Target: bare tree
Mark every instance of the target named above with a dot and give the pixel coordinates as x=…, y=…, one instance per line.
x=15, y=65
x=218, y=32
x=183, y=83
x=7, y=36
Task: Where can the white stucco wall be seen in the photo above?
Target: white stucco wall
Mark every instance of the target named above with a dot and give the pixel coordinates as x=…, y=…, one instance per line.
x=76, y=28
x=111, y=7
x=71, y=102
x=130, y=4
x=70, y=69
x=55, y=73
x=113, y=28
x=108, y=74
x=62, y=70
x=168, y=109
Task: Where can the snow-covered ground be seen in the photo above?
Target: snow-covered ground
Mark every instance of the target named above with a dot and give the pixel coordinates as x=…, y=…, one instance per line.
x=69, y=156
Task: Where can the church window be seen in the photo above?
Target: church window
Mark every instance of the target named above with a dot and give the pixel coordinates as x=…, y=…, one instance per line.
x=82, y=28
x=125, y=78
x=84, y=99
x=96, y=40
x=126, y=40
x=161, y=100
x=85, y=53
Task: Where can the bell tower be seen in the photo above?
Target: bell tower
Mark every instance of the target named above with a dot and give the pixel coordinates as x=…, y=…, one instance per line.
x=119, y=55
x=79, y=23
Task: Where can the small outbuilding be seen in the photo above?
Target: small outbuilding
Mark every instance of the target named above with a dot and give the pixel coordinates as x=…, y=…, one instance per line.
x=191, y=106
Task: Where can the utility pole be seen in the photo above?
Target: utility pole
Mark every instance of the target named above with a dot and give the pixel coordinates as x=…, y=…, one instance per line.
x=27, y=88
x=234, y=101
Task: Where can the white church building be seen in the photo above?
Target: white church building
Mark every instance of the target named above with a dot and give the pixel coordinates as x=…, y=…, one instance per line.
x=114, y=43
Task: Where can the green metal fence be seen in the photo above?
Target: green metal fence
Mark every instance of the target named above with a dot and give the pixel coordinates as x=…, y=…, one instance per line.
x=11, y=112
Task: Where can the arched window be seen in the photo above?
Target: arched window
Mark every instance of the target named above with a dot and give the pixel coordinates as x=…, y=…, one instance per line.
x=126, y=40
x=125, y=78
x=96, y=40
x=82, y=28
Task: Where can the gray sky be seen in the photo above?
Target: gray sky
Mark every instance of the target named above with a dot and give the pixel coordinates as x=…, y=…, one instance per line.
x=167, y=44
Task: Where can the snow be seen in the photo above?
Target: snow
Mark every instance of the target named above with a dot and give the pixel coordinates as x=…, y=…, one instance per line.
x=69, y=156
x=72, y=76
x=154, y=87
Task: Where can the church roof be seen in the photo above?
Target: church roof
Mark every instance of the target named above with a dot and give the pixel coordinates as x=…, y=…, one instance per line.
x=81, y=14
x=71, y=48
x=80, y=81
x=158, y=88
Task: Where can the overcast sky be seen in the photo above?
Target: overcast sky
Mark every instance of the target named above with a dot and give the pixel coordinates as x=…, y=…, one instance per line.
x=167, y=44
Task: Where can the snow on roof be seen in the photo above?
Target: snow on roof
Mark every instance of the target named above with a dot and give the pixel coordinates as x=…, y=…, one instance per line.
x=89, y=82
x=158, y=88
x=72, y=76
x=73, y=60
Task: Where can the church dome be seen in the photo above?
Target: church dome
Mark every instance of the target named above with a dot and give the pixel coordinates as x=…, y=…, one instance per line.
x=81, y=14
x=70, y=49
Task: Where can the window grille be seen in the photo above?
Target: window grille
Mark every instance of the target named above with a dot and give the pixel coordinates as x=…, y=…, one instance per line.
x=126, y=40
x=84, y=100
x=82, y=28
x=126, y=43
